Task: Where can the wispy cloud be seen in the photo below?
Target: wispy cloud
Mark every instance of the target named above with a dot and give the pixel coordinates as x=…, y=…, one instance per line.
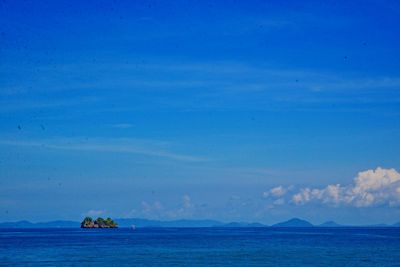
x=220, y=85
x=26, y=105
x=218, y=75
x=114, y=145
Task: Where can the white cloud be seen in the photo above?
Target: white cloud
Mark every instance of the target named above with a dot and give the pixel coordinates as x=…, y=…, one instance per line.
x=278, y=191
x=151, y=207
x=279, y=201
x=371, y=187
x=147, y=209
x=329, y=194
x=185, y=210
x=155, y=210
x=187, y=203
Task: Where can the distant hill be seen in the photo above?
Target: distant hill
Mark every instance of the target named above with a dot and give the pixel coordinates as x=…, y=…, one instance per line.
x=295, y=222
x=58, y=224
x=52, y=224
x=137, y=222
x=257, y=225
x=243, y=224
x=176, y=223
x=19, y=224
x=330, y=224
x=121, y=223
x=129, y=222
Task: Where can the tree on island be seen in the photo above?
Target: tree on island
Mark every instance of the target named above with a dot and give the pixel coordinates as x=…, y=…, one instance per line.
x=98, y=223
x=111, y=223
x=87, y=223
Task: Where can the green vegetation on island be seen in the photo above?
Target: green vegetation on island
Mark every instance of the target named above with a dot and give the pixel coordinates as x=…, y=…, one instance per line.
x=98, y=223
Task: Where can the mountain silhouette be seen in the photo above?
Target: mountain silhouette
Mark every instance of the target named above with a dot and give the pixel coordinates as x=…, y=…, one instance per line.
x=295, y=222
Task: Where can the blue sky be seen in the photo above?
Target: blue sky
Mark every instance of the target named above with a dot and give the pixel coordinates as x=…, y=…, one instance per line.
x=229, y=110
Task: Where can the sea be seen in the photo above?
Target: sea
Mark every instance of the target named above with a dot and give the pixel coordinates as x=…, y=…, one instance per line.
x=201, y=247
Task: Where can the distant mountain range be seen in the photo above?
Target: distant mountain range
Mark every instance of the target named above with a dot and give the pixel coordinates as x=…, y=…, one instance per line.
x=137, y=222
x=52, y=224
x=243, y=224
x=176, y=223
x=295, y=222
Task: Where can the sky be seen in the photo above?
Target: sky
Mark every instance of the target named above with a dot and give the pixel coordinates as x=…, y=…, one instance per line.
x=228, y=110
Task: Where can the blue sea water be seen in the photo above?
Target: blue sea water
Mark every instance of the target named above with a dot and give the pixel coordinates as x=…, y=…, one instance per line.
x=201, y=247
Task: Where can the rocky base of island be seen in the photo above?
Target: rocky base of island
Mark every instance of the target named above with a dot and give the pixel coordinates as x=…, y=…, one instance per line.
x=98, y=223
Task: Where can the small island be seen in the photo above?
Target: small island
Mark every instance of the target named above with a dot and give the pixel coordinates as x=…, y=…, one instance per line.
x=98, y=223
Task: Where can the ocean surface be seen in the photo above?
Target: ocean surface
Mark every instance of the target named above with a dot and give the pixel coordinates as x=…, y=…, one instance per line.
x=201, y=247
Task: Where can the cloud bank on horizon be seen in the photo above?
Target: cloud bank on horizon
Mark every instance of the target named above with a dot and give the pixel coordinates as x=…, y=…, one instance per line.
x=370, y=188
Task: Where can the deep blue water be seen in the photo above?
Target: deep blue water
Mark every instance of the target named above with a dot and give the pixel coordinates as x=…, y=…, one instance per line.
x=201, y=247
